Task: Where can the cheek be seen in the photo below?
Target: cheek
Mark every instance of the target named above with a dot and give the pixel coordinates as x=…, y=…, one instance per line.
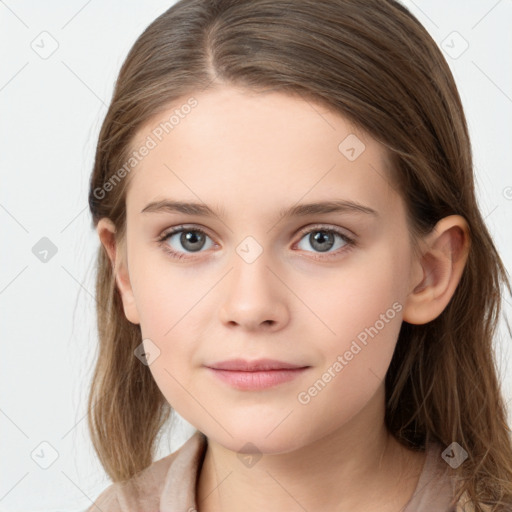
x=163, y=300
x=365, y=314
x=169, y=316
x=363, y=309
x=366, y=292
x=172, y=304
x=164, y=293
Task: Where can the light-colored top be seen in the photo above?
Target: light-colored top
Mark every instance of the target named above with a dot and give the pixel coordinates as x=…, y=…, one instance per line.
x=169, y=484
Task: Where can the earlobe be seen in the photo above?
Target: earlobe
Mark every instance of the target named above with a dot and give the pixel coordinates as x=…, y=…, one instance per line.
x=106, y=231
x=442, y=262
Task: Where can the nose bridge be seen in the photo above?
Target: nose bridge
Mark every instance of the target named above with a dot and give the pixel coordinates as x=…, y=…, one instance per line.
x=254, y=294
x=252, y=278
x=251, y=264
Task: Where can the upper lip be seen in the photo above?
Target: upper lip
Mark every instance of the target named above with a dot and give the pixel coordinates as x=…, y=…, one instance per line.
x=253, y=366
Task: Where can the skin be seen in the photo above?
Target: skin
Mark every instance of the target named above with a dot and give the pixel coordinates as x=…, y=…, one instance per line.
x=251, y=155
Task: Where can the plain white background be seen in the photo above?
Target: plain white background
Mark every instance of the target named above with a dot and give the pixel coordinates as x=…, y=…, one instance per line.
x=51, y=110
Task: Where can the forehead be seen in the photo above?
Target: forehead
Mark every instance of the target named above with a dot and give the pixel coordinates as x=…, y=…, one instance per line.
x=256, y=150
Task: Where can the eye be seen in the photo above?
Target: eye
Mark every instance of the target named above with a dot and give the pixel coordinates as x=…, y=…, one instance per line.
x=322, y=239
x=191, y=239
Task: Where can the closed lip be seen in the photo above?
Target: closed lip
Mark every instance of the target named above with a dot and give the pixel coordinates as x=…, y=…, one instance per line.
x=258, y=365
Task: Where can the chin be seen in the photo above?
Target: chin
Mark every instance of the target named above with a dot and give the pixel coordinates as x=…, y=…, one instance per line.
x=254, y=438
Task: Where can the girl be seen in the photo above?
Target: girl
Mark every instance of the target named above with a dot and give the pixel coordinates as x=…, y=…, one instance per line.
x=242, y=136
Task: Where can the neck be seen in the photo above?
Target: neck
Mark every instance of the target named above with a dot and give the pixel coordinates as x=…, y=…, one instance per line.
x=358, y=466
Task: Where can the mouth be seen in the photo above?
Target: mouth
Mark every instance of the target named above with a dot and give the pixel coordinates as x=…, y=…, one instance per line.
x=255, y=375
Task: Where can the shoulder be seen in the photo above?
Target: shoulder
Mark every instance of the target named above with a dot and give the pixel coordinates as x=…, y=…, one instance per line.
x=144, y=490
x=446, y=481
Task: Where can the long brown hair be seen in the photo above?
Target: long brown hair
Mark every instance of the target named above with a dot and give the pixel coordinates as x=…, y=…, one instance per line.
x=374, y=63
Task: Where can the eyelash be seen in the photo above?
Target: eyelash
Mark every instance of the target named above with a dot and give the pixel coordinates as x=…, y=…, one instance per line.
x=350, y=242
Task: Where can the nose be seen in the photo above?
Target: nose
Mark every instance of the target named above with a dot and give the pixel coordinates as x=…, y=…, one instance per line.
x=254, y=297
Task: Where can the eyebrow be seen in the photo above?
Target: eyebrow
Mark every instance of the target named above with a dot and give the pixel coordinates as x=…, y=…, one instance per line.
x=332, y=206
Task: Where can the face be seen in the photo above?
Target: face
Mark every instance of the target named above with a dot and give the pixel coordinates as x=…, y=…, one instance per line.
x=321, y=289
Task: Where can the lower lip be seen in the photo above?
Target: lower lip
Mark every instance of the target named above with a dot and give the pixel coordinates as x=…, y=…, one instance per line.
x=257, y=379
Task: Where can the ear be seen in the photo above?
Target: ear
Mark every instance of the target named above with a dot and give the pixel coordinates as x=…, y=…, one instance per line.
x=106, y=231
x=444, y=254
